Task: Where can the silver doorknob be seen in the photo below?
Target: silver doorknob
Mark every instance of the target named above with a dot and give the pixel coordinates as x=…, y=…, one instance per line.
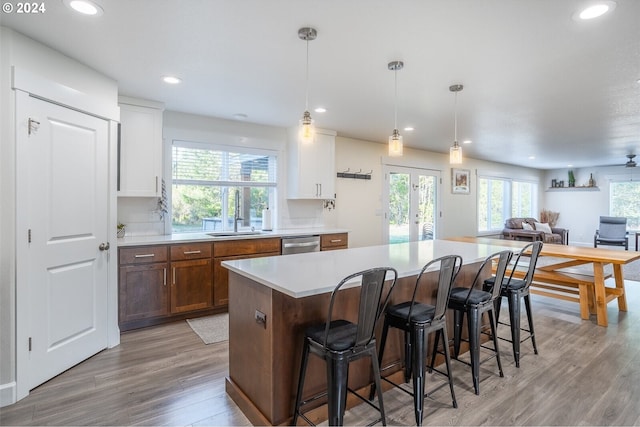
x=104, y=246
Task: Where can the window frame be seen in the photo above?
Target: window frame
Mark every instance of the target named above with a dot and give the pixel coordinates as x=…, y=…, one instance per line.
x=225, y=184
x=507, y=200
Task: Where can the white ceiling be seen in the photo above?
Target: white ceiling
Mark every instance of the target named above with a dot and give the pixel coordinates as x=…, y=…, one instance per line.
x=536, y=82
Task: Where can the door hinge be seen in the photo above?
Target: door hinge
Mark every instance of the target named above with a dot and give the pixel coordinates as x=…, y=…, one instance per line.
x=33, y=125
x=29, y=236
x=29, y=343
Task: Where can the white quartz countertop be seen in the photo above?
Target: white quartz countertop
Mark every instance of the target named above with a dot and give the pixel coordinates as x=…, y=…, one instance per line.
x=204, y=237
x=302, y=275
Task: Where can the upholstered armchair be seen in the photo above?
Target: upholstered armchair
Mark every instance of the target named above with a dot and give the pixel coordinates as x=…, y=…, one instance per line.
x=612, y=231
x=531, y=229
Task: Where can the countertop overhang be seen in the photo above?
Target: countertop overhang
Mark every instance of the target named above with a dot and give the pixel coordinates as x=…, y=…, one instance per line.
x=302, y=275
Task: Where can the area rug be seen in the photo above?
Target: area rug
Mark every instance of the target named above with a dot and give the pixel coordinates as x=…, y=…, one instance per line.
x=211, y=329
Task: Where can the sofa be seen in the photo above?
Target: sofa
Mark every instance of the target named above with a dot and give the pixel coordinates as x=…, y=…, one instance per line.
x=525, y=229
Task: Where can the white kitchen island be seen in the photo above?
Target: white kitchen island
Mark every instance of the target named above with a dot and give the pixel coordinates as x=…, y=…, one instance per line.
x=273, y=299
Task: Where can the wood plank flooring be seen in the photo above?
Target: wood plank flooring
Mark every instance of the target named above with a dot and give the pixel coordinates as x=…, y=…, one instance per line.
x=165, y=375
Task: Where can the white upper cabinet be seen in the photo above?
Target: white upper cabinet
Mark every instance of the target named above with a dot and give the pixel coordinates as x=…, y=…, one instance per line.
x=140, y=148
x=312, y=171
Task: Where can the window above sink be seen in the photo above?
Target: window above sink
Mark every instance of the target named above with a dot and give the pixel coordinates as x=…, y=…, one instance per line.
x=204, y=181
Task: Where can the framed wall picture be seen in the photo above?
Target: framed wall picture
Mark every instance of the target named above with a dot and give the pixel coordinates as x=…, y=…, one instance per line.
x=460, y=181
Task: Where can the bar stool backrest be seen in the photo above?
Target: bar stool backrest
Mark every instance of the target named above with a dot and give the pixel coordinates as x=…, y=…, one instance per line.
x=369, y=309
x=503, y=259
x=535, y=249
x=449, y=269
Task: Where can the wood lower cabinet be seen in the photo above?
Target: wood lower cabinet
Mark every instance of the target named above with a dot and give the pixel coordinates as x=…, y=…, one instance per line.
x=329, y=242
x=143, y=286
x=191, y=277
x=162, y=283
x=237, y=249
x=191, y=285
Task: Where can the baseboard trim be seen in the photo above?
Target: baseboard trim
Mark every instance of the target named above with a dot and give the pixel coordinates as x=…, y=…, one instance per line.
x=7, y=394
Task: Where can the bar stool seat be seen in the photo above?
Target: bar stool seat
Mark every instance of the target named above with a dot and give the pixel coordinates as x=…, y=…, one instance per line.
x=474, y=302
x=515, y=290
x=339, y=342
x=417, y=320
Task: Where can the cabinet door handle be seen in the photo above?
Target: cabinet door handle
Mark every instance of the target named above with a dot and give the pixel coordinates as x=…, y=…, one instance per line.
x=164, y=280
x=143, y=255
x=156, y=184
x=192, y=252
x=336, y=240
x=320, y=187
x=174, y=275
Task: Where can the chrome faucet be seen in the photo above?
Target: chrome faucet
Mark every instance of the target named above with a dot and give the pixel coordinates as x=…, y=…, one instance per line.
x=237, y=217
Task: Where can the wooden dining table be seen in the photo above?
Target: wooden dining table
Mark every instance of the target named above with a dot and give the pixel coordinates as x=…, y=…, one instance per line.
x=573, y=256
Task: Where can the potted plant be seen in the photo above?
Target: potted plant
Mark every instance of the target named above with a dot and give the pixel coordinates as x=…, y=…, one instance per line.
x=572, y=179
x=121, y=229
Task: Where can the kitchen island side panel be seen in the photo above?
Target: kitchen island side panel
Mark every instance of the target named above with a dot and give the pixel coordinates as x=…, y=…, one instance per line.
x=250, y=343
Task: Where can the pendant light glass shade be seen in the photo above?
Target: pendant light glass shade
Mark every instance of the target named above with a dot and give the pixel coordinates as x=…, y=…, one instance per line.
x=395, y=140
x=307, y=132
x=455, y=152
x=395, y=144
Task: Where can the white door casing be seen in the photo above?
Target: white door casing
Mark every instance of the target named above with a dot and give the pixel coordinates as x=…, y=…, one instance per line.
x=421, y=204
x=62, y=159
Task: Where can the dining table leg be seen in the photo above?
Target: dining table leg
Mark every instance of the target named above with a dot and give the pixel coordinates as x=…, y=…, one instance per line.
x=619, y=277
x=600, y=294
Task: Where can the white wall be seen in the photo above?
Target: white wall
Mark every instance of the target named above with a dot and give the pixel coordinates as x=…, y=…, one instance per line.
x=359, y=202
x=580, y=210
x=32, y=57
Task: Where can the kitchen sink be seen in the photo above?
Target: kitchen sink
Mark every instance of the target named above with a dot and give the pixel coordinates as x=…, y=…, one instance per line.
x=234, y=233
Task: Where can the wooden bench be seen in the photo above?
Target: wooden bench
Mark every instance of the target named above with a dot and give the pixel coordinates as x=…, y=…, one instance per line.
x=568, y=285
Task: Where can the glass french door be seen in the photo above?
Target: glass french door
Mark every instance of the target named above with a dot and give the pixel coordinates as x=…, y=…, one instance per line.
x=411, y=195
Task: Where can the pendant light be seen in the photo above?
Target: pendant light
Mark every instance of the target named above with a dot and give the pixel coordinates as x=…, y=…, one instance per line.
x=455, y=152
x=307, y=132
x=395, y=140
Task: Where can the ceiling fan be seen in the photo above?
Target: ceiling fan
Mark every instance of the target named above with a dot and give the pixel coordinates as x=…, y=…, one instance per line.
x=630, y=163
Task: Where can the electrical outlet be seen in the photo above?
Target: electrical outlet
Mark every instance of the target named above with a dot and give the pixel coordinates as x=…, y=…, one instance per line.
x=261, y=318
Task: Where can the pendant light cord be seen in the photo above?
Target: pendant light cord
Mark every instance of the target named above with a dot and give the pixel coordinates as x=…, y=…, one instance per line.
x=395, y=102
x=455, y=119
x=306, y=100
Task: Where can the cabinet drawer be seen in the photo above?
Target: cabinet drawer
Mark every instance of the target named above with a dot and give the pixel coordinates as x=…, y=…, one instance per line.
x=143, y=254
x=247, y=246
x=334, y=241
x=190, y=251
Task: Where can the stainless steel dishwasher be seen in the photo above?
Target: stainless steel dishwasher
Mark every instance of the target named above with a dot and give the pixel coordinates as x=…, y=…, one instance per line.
x=300, y=244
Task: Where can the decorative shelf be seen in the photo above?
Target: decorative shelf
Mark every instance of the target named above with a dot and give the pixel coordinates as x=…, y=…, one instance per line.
x=573, y=189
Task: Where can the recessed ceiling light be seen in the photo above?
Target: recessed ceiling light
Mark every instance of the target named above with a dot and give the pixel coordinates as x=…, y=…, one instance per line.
x=409, y=129
x=172, y=80
x=569, y=166
x=320, y=110
x=240, y=116
x=467, y=141
x=532, y=157
x=85, y=7
x=595, y=10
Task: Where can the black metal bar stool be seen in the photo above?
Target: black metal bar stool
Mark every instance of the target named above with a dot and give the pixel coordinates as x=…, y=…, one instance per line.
x=514, y=290
x=474, y=302
x=418, y=320
x=338, y=342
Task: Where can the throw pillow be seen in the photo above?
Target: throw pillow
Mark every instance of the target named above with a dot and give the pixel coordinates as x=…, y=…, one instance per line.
x=527, y=226
x=543, y=226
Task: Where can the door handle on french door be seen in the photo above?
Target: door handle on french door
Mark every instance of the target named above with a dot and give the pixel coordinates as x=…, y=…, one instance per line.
x=104, y=246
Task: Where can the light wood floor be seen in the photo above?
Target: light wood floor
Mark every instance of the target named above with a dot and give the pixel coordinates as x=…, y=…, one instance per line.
x=584, y=375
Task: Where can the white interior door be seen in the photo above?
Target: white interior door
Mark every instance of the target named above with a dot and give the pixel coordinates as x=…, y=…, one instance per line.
x=412, y=199
x=63, y=162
